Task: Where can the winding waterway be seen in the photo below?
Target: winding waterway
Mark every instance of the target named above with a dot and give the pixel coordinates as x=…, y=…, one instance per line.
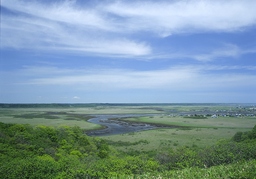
x=116, y=126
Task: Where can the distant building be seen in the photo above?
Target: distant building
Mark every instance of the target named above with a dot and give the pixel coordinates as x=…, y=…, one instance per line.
x=214, y=116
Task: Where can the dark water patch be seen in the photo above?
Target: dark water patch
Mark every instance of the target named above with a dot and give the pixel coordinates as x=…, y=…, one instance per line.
x=113, y=126
x=126, y=143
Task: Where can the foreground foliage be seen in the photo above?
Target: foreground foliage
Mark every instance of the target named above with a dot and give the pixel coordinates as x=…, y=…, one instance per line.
x=66, y=152
x=241, y=170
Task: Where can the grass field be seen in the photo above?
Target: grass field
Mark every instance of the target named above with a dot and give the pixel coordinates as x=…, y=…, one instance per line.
x=70, y=116
x=197, y=132
x=220, y=122
x=166, y=138
x=48, y=117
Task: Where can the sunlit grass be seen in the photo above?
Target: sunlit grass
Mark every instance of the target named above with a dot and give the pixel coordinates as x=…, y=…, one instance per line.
x=220, y=122
x=173, y=138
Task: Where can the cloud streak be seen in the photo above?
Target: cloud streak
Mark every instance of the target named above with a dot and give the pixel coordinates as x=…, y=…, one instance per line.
x=165, y=17
x=112, y=28
x=228, y=50
x=182, y=83
x=62, y=27
x=178, y=78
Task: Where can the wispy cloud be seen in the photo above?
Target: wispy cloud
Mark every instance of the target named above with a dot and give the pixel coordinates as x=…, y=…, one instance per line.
x=194, y=83
x=224, y=50
x=228, y=50
x=172, y=17
x=111, y=28
x=64, y=27
x=182, y=78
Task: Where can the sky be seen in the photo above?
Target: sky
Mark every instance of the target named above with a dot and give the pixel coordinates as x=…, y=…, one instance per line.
x=128, y=51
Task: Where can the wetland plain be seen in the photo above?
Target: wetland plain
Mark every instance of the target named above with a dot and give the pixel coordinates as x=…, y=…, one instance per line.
x=141, y=126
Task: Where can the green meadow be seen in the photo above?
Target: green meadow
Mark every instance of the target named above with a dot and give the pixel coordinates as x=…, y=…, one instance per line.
x=66, y=115
x=193, y=134
x=207, y=122
x=170, y=138
x=47, y=117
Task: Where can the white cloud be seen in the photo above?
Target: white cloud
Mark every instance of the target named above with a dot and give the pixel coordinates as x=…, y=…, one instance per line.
x=65, y=28
x=228, y=50
x=110, y=28
x=76, y=97
x=224, y=50
x=168, y=17
x=117, y=78
x=63, y=11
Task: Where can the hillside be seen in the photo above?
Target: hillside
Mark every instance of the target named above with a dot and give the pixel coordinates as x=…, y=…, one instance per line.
x=66, y=152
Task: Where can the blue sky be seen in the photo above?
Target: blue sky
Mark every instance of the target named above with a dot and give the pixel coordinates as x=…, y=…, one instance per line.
x=120, y=51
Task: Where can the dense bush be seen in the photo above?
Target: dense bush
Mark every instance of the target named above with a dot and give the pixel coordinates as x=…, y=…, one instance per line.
x=66, y=152
x=243, y=136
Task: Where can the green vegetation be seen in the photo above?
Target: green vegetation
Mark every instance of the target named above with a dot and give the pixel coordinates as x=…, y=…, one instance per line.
x=46, y=116
x=202, y=122
x=44, y=141
x=199, y=132
x=159, y=139
x=239, y=170
x=65, y=152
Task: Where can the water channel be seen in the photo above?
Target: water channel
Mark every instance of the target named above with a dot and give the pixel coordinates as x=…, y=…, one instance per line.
x=113, y=126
